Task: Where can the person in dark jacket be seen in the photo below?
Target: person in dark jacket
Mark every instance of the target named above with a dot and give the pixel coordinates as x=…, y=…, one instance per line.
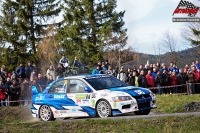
x=3, y=94
x=181, y=81
x=29, y=69
x=190, y=82
x=130, y=79
x=20, y=72
x=165, y=81
x=158, y=82
x=76, y=62
x=50, y=80
x=60, y=70
x=142, y=79
x=14, y=92
x=41, y=81
x=25, y=92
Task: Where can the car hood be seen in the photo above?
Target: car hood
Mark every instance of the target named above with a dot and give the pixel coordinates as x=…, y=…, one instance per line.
x=132, y=90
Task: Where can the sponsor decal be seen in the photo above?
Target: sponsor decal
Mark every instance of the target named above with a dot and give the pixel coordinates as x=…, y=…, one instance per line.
x=82, y=96
x=104, y=95
x=122, y=104
x=114, y=104
x=78, y=101
x=93, y=95
x=59, y=96
x=85, y=101
x=93, y=103
x=73, y=110
x=60, y=90
x=63, y=111
x=39, y=98
x=56, y=112
x=139, y=92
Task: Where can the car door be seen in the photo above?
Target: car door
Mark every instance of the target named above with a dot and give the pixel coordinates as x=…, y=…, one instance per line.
x=82, y=98
x=56, y=95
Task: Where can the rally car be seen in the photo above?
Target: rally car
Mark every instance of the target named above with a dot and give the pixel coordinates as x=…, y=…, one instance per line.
x=90, y=96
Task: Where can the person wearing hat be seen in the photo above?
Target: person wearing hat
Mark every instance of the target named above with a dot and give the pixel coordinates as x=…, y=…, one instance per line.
x=122, y=75
x=29, y=69
x=20, y=72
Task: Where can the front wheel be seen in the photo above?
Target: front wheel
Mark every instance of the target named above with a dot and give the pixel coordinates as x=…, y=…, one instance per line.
x=46, y=113
x=142, y=112
x=103, y=109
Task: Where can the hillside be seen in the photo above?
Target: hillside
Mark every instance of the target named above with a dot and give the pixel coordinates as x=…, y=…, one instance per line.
x=183, y=57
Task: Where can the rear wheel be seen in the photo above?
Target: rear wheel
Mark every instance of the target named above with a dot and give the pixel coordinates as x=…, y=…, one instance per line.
x=142, y=112
x=103, y=109
x=46, y=113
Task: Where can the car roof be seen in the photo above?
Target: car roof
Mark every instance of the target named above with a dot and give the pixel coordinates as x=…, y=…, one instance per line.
x=84, y=76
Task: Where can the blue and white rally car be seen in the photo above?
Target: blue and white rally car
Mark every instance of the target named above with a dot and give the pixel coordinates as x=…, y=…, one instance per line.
x=90, y=96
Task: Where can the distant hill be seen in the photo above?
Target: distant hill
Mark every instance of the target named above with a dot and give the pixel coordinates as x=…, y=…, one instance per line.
x=183, y=57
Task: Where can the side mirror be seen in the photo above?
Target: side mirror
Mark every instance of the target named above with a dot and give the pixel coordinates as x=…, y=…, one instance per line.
x=34, y=90
x=88, y=89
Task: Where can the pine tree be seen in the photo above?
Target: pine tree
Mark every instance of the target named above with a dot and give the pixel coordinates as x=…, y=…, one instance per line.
x=196, y=41
x=23, y=22
x=89, y=26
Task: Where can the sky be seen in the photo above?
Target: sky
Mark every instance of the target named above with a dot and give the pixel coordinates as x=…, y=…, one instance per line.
x=147, y=20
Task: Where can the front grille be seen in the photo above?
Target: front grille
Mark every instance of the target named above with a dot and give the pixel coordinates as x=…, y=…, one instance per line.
x=126, y=106
x=142, y=96
x=144, y=105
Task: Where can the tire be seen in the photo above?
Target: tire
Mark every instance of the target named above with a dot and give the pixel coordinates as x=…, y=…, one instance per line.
x=46, y=113
x=103, y=109
x=142, y=112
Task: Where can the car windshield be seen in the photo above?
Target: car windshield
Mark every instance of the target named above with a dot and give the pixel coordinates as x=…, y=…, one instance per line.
x=100, y=83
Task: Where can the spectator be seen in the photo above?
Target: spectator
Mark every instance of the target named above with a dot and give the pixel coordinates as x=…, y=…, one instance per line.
x=158, y=65
x=50, y=80
x=14, y=93
x=100, y=65
x=170, y=68
x=134, y=69
x=107, y=64
x=197, y=64
x=190, y=82
x=64, y=61
x=59, y=71
x=175, y=69
x=150, y=79
x=29, y=69
x=110, y=71
x=14, y=77
x=3, y=94
x=130, y=79
x=76, y=62
x=196, y=78
x=103, y=68
x=151, y=67
x=173, y=82
x=135, y=78
x=25, y=92
x=158, y=82
x=186, y=67
x=51, y=71
x=154, y=73
x=142, y=79
x=122, y=75
x=20, y=72
x=166, y=81
x=163, y=68
x=140, y=68
x=146, y=69
x=34, y=83
x=97, y=70
x=3, y=73
x=41, y=81
x=181, y=81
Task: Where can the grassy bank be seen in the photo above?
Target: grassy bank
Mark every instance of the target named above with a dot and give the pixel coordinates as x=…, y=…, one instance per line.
x=158, y=125
x=174, y=103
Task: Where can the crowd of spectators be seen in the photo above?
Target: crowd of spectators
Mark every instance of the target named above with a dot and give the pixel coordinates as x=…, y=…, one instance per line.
x=160, y=78
x=15, y=87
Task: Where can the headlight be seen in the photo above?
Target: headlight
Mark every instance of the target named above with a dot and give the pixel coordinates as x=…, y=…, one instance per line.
x=152, y=94
x=121, y=98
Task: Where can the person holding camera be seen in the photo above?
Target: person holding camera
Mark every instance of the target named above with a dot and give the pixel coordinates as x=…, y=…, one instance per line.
x=51, y=71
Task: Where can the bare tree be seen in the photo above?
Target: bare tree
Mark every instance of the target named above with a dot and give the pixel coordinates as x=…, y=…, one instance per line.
x=169, y=44
x=157, y=50
x=49, y=49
